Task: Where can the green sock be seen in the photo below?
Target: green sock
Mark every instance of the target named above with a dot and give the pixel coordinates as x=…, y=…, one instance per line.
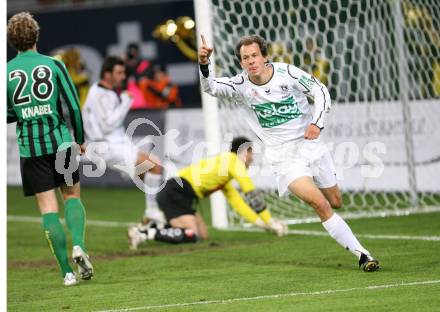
x=75, y=216
x=57, y=240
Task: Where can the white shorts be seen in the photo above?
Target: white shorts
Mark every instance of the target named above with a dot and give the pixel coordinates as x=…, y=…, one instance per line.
x=303, y=158
x=117, y=155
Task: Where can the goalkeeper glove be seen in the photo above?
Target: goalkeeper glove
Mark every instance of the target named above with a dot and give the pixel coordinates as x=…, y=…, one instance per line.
x=256, y=201
x=278, y=227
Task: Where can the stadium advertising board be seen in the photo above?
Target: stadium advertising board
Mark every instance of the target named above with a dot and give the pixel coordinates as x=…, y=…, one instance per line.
x=368, y=146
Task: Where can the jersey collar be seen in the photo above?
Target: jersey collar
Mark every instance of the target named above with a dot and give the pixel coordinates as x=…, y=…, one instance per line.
x=273, y=73
x=28, y=52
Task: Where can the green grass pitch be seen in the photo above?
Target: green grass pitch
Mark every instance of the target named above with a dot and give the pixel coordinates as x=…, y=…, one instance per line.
x=233, y=271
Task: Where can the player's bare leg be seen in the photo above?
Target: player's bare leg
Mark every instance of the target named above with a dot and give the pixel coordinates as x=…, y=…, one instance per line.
x=153, y=161
x=305, y=189
x=185, y=222
x=47, y=202
x=333, y=195
x=54, y=232
x=69, y=192
x=153, y=179
x=202, y=229
x=74, y=213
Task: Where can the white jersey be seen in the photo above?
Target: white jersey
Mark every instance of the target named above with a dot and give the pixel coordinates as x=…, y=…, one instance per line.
x=103, y=114
x=278, y=110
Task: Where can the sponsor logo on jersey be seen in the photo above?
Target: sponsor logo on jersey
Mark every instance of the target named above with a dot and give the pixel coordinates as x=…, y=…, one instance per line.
x=306, y=82
x=274, y=114
x=281, y=70
x=267, y=91
x=284, y=88
x=37, y=110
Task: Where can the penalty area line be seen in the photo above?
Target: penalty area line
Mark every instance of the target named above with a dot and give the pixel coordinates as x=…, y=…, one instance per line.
x=275, y=296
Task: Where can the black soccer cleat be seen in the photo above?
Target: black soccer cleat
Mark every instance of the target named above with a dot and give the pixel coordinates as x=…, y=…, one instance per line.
x=368, y=263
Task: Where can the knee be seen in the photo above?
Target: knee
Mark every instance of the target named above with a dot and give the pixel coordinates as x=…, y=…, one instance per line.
x=69, y=193
x=322, y=208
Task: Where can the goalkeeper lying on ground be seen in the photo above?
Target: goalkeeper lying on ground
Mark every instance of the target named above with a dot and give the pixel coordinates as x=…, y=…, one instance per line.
x=198, y=181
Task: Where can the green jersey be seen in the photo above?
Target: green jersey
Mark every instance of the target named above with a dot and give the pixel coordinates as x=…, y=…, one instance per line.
x=36, y=84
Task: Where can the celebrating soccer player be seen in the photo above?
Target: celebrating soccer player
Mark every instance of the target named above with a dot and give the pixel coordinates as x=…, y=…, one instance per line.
x=275, y=95
x=35, y=85
x=199, y=181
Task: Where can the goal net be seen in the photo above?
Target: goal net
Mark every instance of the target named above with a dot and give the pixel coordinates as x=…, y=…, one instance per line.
x=381, y=63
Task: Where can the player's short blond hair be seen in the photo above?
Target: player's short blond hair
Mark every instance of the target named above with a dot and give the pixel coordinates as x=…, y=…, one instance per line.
x=22, y=31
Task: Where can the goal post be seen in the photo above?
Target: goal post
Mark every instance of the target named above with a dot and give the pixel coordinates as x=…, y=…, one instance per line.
x=210, y=111
x=380, y=61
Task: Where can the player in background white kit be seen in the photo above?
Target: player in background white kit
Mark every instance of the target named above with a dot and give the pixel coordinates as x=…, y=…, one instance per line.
x=275, y=95
x=103, y=115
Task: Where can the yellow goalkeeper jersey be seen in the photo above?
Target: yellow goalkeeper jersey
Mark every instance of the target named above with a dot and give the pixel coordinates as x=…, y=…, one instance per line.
x=215, y=173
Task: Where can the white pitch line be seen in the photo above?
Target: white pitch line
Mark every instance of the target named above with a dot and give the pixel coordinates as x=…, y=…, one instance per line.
x=89, y=222
x=373, y=236
x=266, y=297
x=297, y=232
x=322, y=233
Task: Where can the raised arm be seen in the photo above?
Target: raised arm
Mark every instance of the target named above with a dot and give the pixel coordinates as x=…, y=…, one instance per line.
x=310, y=86
x=218, y=87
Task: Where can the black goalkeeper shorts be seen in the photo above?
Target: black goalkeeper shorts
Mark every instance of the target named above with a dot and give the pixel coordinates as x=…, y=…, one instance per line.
x=175, y=200
x=39, y=174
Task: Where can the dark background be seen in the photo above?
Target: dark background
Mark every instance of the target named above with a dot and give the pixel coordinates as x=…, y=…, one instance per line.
x=96, y=27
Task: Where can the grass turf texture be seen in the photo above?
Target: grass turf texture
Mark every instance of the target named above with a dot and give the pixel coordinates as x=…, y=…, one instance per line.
x=229, y=265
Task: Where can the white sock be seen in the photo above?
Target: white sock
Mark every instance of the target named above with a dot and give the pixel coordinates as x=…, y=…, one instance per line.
x=151, y=234
x=341, y=232
x=144, y=236
x=152, y=211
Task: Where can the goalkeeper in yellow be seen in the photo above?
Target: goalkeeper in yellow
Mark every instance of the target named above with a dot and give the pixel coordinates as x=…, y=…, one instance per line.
x=199, y=180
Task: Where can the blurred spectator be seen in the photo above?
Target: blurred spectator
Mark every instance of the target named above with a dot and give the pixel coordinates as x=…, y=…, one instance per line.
x=436, y=78
x=158, y=91
x=315, y=63
x=78, y=72
x=308, y=56
x=136, y=68
x=150, y=85
x=423, y=42
x=320, y=67
x=280, y=52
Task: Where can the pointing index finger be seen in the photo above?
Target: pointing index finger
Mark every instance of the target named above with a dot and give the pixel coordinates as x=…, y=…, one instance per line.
x=203, y=40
